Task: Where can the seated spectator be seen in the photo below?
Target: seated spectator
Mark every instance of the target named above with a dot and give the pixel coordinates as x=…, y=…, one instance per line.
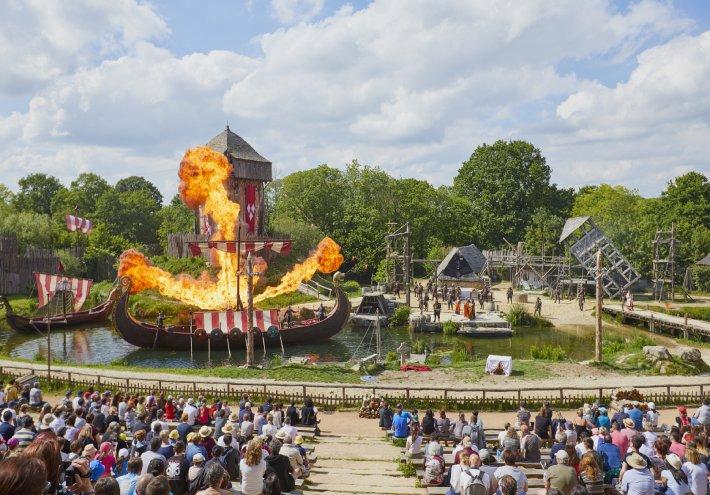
x=673, y=478
x=509, y=468
x=443, y=427
x=458, y=427
x=511, y=442
x=151, y=454
x=638, y=479
x=386, y=416
x=529, y=445
x=7, y=427
x=428, y=422
x=561, y=476
x=288, y=429
x=281, y=465
x=294, y=456
x=23, y=475
x=542, y=424
x=269, y=429
x=434, y=466
x=198, y=464
x=215, y=479
x=35, y=397
x=252, y=468
x=106, y=457
x=590, y=474
x=158, y=485
x=560, y=444
x=107, y=486
x=523, y=415
x=455, y=474
x=676, y=446
x=507, y=485
x=194, y=447
x=400, y=422
x=128, y=482
x=696, y=471
x=413, y=447
x=177, y=470
x=24, y=433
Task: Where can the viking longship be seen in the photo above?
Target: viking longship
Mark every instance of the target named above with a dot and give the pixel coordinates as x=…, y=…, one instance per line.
x=218, y=329
x=60, y=299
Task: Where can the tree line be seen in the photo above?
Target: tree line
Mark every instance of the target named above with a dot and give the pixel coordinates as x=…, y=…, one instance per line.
x=501, y=195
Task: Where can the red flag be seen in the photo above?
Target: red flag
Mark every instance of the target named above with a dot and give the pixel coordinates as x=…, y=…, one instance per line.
x=251, y=207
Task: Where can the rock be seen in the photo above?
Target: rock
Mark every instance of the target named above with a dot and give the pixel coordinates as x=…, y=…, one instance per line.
x=690, y=355
x=656, y=353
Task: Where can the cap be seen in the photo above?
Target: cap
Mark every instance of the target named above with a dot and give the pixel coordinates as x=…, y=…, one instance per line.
x=561, y=455
x=13, y=442
x=483, y=453
x=123, y=453
x=96, y=469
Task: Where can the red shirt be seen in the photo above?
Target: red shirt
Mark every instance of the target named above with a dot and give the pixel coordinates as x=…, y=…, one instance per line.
x=620, y=439
x=169, y=412
x=203, y=416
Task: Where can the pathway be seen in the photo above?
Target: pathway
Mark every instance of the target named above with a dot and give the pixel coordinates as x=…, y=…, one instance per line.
x=662, y=319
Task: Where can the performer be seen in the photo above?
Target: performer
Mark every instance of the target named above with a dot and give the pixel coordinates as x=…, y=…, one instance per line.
x=458, y=307
x=320, y=312
x=467, y=310
x=160, y=321
x=630, y=300
x=437, y=310
x=288, y=317
x=538, y=307
x=558, y=295
x=509, y=295
x=580, y=299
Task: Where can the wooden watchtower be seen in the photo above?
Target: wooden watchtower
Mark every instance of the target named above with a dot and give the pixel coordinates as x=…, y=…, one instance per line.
x=584, y=238
x=251, y=173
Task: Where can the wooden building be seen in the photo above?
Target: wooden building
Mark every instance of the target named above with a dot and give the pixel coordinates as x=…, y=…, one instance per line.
x=251, y=173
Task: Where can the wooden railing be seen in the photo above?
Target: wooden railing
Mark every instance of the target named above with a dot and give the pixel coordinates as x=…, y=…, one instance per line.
x=349, y=395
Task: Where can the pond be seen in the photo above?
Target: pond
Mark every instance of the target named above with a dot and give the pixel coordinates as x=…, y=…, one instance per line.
x=103, y=345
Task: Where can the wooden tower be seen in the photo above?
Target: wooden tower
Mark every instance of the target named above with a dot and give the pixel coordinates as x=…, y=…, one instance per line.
x=251, y=172
x=584, y=239
x=664, y=268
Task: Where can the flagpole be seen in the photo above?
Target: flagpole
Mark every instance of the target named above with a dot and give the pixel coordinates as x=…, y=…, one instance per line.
x=240, y=307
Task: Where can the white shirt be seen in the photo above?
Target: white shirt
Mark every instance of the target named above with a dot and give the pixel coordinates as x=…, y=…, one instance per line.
x=581, y=449
x=653, y=417
x=278, y=418
x=464, y=479
x=414, y=446
x=650, y=438
x=75, y=403
x=291, y=431
x=191, y=412
x=80, y=423
x=35, y=396
x=697, y=477
x=674, y=488
x=501, y=436
x=57, y=424
x=252, y=477
x=269, y=430
x=517, y=474
x=221, y=443
x=163, y=425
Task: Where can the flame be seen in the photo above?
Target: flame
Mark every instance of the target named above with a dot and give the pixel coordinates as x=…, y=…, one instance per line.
x=204, y=174
x=326, y=258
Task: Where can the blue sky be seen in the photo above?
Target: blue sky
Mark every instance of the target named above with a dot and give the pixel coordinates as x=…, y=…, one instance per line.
x=610, y=91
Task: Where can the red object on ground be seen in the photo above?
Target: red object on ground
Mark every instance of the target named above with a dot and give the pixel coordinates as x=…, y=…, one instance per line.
x=414, y=367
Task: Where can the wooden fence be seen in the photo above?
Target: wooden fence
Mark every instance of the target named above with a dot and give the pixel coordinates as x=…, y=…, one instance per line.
x=331, y=396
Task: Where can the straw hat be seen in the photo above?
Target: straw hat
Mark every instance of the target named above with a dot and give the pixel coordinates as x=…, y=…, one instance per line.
x=205, y=431
x=191, y=436
x=228, y=428
x=636, y=461
x=561, y=455
x=234, y=417
x=674, y=461
x=89, y=451
x=198, y=458
x=628, y=422
x=281, y=435
x=298, y=440
x=174, y=435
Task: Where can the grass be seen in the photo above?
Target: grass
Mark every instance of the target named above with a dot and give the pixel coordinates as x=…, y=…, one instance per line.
x=407, y=469
x=519, y=316
x=548, y=352
x=400, y=317
x=449, y=328
x=695, y=312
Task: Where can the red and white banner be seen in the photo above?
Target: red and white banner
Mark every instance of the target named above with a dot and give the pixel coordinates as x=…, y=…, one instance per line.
x=250, y=194
x=226, y=320
x=200, y=248
x=80, y=224
x=47, y=285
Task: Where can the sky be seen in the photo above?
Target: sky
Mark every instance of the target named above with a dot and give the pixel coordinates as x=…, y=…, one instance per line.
x=615, y=92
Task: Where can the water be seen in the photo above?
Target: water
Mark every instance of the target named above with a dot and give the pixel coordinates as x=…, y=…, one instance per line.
x=103, y=345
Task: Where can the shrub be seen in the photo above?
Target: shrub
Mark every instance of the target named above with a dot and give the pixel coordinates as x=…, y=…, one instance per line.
x=392, y=356
x=640, y=341
x=400, y=317
x=433, y=359
x=613, y=344
x=462, y=352
x=450, y=328
x=193, y=266
x=419, y=346
x=548, y=352
x=350, y=287
x=407, y=469
x=399, y=442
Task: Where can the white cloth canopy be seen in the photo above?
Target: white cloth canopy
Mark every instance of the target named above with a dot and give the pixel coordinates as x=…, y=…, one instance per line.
x=493, y=361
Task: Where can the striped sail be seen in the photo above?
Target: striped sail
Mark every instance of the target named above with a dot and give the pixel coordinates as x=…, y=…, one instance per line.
x=227, y=320
x=200, y=248
x=80, y=224
x=47, y=285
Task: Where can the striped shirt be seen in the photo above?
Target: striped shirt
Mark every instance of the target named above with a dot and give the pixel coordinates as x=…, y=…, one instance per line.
x=24, y=437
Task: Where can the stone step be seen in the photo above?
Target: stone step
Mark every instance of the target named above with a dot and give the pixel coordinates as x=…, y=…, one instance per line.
x=335, y=487
x=380, y=471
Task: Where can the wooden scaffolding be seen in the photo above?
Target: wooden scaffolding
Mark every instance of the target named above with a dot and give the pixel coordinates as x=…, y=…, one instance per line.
x=665, y=245
x=551, y=271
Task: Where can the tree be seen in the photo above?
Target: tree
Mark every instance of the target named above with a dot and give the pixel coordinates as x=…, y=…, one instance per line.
x=30, y=228
x=132, y=216
x=173, y=219
x=36, y=193
x=86, y=190
x=135, y=183
x=542, y=233
x=506, y=182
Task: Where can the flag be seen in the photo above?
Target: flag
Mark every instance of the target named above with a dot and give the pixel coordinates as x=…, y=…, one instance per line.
x=251, y=207
x=78, y=224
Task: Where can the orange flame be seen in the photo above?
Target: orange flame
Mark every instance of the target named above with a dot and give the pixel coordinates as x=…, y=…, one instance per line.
x=203, y=175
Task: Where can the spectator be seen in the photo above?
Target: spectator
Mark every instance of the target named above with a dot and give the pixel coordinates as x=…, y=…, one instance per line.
x=434, y=467
x=177, y=470
x=561, y=476
x=106, y=457
x=523, y=415
x=158, y=485
x=413, y=447
x=591, y=475
x=294, y=456
x=428, y=422
x=151, y=454
x=511, y=442
x=676, y=446
x=128, y=482
x=542, y=424
x=560, y=444
x=400, y=422
x=24, y=433
x=7, y=428
x=281, y=465
x=673, y=477
x=386, y=416
x=638, y=480
x=530, y=445
x=509, y=468
x=215, y=480
x=508, y=485
x=23, y=475
x=458, y=427
x=443, y=427
x=107, y=486
x=198, y=464
x=193, y=447
x=696, y=471
x=252, y=468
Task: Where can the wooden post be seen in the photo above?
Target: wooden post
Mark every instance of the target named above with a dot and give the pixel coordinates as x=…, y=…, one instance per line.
x=250, y=313
x=304, y=392
x=598, y=333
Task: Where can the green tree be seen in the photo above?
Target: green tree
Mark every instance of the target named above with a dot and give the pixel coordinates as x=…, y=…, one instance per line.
x=542, y=233
x=173, y=219
x=30, y=228
x=36, y=193
x=132, y=216
x=506, y=182
x=135, y=183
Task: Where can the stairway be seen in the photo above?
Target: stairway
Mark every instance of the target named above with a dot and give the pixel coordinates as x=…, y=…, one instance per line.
x=314, y=289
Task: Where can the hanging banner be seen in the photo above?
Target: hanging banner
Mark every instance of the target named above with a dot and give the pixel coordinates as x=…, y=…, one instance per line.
x=250, y=194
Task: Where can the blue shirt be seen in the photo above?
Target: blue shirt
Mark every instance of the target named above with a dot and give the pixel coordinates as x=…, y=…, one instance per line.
x=400, y=424
x=637, y=416
x=603, y=420
x=611, y=455
x=192, y=450
x=127, y=483
x=183, y=430
x=6, y=430
x=637, y=482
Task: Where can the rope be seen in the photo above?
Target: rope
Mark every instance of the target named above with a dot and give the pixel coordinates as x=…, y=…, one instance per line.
x=361, y=341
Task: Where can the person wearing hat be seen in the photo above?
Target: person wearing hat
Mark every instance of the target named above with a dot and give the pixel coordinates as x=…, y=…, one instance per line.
x=652, y=415
x=46, y=422
x=207, y=441
x=637, y=480
x=629, y=429
x=603, y=420
x=174, y=436
x=121, y=463
x=673, y=477
x=193, y=447
x=560, y=476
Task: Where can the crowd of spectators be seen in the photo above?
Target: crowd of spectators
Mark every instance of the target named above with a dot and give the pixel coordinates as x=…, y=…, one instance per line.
x=92, y=443
x=590, y=453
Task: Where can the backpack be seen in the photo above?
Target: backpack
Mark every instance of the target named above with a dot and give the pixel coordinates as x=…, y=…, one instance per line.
x=476, y=485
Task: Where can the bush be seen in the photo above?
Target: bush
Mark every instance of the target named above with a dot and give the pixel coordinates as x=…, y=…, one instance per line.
x=613, y=344
x=433, y=359
x=518, y=316
x=351, y=287
x=392, y=356
x=701, y=278
x=450, y=328
x=640, y=341
x=462, y=352
x=400, y=317
x=407, y=469
x=419, y=346
x=548, y=352
x=193, y=266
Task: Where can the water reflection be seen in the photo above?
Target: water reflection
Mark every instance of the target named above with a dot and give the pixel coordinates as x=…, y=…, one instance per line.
x=103, y=345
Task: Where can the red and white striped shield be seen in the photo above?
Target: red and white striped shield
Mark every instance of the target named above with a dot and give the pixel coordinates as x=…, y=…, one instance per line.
x=200, y=248
x=226, y=320
x=47, y=285
x=81, y=224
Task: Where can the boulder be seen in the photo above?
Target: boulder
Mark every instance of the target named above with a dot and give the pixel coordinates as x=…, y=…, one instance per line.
x=690, y=355
x=656, y=353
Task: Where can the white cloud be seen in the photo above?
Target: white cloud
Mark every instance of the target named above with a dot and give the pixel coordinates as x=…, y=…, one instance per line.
x=41, y=40
x=413, y=86
x=291, y=11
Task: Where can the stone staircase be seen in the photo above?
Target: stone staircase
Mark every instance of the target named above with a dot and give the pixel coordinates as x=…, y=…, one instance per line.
x=349, y=464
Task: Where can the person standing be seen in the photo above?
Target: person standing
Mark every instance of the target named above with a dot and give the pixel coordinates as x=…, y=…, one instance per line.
x=437, y=310
x=509, y=295
x=538, y=307
x=580, y=298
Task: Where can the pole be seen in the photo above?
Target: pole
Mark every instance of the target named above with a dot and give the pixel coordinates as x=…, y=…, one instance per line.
x=229, y=349
x=407, y=267
x=598, y=333
x=239, y=256
x=191, y=357
x=250, y=312
x=49, y=353
x=378, y=335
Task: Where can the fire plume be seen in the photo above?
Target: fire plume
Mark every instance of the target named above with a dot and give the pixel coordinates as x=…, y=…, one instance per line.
x=204, y=174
